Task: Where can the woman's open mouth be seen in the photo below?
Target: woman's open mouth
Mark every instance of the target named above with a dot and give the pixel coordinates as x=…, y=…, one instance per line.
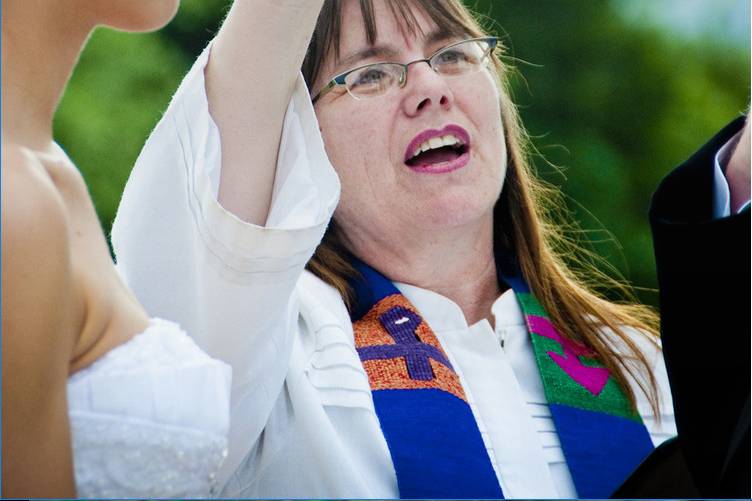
x=438, y=151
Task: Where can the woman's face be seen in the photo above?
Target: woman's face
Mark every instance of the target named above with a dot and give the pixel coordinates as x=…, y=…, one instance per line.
x=368, y=140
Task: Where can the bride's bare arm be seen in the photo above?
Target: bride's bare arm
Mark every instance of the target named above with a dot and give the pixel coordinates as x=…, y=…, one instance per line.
x=250, y=78
x=38, y=337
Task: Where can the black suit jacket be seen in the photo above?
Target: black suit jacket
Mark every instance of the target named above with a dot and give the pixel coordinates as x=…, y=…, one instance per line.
x=703, y=269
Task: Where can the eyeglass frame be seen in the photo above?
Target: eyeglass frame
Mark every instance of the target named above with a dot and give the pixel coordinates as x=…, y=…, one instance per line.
x=340, y=79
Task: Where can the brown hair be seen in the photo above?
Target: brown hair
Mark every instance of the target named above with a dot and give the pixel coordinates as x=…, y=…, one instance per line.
x=529, y=220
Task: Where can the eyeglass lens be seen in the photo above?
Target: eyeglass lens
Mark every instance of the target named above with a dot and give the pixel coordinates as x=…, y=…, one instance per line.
x=457, y=59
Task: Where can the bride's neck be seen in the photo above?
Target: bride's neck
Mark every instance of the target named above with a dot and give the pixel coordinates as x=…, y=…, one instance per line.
x=41, y=42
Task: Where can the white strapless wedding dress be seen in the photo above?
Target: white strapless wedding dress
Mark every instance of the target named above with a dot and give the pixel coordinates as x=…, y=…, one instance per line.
x=150, y=418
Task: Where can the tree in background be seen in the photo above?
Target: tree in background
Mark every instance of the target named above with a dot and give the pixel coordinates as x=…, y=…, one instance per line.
x=617, y=105
x=614, y=103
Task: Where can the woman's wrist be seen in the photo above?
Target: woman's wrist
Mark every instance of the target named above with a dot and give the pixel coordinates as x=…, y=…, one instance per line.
x=738, y=171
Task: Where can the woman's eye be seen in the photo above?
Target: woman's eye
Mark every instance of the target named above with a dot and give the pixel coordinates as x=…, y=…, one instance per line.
x=370, y=76
x=451, y=57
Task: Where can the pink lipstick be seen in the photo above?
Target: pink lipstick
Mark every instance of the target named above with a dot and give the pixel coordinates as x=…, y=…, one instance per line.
x=436, y=151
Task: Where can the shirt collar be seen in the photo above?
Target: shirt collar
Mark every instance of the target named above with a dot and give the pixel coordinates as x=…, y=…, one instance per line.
x=443, y=314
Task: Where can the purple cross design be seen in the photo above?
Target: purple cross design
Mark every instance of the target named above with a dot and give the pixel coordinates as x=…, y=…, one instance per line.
x=401, y=324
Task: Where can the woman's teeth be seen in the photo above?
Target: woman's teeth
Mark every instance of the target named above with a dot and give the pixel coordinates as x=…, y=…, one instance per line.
x=436, y=142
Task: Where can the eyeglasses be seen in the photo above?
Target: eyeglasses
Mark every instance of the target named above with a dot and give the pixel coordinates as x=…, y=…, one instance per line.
x=370, y=80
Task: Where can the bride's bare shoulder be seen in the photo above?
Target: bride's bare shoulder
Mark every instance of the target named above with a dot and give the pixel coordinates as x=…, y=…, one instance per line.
x=36, y=264
x=33, y=210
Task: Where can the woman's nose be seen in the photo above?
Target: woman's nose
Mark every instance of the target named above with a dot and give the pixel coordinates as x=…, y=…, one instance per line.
x=425, y=90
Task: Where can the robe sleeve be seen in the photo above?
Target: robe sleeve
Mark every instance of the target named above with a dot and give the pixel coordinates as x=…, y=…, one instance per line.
x=230, y=284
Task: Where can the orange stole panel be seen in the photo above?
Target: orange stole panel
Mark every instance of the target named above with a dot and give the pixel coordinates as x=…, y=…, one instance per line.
x=392, y=374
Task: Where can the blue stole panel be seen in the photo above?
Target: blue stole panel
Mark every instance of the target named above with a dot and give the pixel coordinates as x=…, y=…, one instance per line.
x=436, y=448
x=433, y=438
x=601, y=450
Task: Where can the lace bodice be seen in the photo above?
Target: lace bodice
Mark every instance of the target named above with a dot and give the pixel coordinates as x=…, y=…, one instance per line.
x=150, y=418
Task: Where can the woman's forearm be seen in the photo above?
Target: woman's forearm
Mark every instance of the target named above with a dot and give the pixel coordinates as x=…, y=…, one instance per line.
x=250, y=78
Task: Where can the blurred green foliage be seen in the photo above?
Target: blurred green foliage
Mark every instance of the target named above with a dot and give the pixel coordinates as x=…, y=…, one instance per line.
x=612, y=103
x=616, y=105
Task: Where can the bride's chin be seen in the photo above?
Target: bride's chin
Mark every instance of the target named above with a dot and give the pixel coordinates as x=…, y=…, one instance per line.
x=142, y=16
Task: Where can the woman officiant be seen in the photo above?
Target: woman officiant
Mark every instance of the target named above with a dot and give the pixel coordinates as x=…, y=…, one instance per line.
x=367, y=248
